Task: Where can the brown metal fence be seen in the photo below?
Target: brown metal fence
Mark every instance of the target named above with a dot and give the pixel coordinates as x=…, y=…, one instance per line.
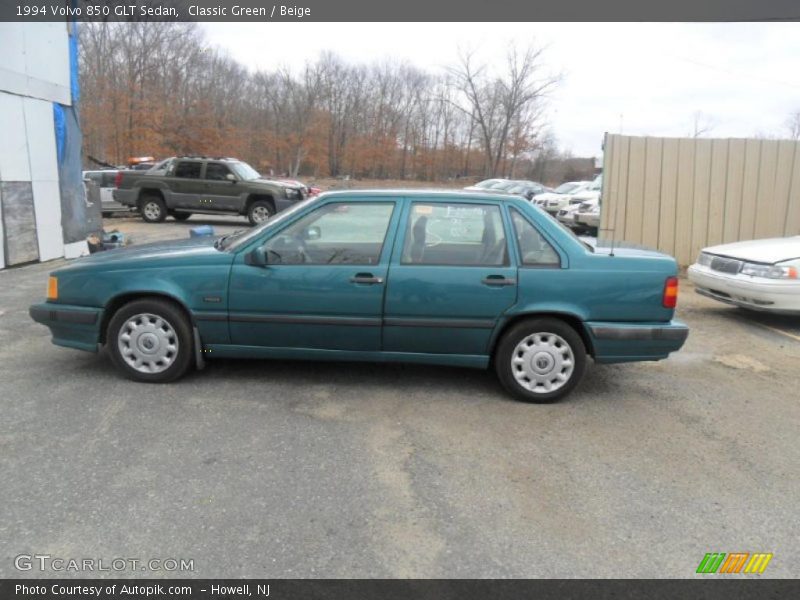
x=681, y=194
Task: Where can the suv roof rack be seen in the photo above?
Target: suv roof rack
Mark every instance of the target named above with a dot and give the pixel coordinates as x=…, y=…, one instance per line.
x=203, y=157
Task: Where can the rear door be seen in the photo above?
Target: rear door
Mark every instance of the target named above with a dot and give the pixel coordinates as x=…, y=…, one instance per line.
x=450, y=279
x=186, y=185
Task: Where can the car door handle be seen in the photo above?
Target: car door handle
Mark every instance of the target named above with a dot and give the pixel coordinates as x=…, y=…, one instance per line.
x=498, y=280
x=367, y=278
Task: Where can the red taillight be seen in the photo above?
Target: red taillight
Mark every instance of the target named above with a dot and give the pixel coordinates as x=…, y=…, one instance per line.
x=670, y=299
x=118, y=179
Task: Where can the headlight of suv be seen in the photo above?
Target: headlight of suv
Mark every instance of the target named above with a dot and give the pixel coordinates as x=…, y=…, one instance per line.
x=770, y=271
x=292, y=194
x=704, y=259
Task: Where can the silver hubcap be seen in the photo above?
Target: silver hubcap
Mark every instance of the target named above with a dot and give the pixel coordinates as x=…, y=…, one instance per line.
x=152, y=210
x=542, y=362
x=260, y=214
x=148, y=343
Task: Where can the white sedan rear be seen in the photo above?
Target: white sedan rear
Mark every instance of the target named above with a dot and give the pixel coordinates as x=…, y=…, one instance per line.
x=757, y=274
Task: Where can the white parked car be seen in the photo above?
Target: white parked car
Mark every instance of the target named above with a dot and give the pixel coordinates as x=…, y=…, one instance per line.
x=566, y=216
x=560, y=197
x=587, y=217
x=757, y=274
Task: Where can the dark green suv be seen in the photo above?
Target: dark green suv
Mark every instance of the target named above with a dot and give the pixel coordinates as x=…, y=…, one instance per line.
x=199, y=184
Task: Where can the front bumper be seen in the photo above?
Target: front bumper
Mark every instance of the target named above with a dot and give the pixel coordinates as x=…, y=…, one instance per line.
x=625, y=342
x=588, y=219
x=755, y=293
x=71, y=326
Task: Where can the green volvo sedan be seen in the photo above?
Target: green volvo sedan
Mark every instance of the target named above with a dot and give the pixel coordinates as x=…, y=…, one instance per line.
x=437, y=277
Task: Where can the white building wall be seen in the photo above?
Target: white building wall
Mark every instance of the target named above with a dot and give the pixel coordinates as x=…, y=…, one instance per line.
x=34, y=73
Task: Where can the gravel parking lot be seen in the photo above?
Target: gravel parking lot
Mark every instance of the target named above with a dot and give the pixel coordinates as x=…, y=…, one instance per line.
x=294, y=469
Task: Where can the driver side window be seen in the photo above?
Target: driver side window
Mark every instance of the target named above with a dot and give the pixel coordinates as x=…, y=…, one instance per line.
x=337, y=233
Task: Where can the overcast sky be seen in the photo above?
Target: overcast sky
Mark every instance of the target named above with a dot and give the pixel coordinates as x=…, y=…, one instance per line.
x=640, y=78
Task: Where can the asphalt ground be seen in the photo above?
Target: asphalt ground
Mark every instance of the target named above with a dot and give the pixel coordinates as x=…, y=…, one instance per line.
x=299, y=469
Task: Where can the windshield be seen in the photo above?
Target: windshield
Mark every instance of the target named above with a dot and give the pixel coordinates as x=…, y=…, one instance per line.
x=504, y=185
x=486, y=183
x=597, y=184
x=236, y=240
x=566, y=188
x=244, y=171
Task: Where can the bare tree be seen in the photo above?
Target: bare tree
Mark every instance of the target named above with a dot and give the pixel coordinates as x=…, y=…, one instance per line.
x=702, y=124
x=792, y=125
x=496, y=102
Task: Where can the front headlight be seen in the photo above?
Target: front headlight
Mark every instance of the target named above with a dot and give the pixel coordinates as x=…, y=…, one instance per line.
x=292, y=194
x=704, y=259
x=769, y=271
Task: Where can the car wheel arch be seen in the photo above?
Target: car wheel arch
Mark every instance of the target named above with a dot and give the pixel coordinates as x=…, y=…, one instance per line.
x=145, y=192
x=251, y=198
x=571, y=319
x=120, y=300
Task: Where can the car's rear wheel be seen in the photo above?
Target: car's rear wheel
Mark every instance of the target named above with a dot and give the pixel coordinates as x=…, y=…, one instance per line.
x=181, y=216
x=259, y=211
x=153, y=209
x=150, y=340
x=540, y=360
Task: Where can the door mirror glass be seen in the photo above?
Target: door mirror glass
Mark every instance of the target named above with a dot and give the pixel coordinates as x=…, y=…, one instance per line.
x=231, y=177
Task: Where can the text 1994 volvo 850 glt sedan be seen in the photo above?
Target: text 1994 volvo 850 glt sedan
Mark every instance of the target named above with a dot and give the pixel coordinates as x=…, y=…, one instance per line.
x=448, y=278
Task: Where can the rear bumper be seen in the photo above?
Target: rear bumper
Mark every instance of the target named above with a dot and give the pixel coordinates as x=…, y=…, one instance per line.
x=779, y=296
x=624, y=342
x=71, y=326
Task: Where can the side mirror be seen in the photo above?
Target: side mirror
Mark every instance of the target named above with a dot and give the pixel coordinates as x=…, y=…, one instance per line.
x=231, y=177
x=256, y=257
x=313, y=233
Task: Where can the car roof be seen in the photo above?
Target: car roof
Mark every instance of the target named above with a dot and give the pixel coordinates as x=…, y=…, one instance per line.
x=427, y=194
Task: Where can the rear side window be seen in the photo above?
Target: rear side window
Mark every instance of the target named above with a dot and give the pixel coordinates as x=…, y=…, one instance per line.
x=534, y=250
x=455, y=234
x=189, y=170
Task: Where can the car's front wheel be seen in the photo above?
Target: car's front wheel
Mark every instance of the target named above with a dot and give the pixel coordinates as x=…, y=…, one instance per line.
x=150, y=340
x=540, y=360
x=153, y=209
x=259, y=211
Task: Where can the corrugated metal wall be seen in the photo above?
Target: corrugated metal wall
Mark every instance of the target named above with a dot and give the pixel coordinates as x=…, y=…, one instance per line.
x=681, y=194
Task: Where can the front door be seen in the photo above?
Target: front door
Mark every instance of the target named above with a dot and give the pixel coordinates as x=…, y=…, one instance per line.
x=222, y=193
x=324, y=282
x=451, y=281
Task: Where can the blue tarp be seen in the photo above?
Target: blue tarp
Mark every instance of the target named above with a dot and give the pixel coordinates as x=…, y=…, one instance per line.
x=73, y=64
x=61, y=130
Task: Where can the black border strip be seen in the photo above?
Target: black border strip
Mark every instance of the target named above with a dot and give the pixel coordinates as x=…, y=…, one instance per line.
x=55, y=315
x=605, y=332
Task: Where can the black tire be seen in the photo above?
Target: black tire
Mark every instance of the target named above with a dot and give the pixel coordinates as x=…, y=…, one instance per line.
x=508, y=372
x=181, y=216
x=106, y=215
x=176, y=322
x=152, y=208
x=259, y=207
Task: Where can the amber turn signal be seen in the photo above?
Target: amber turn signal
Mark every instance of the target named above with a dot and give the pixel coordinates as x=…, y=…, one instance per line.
x=52, y=288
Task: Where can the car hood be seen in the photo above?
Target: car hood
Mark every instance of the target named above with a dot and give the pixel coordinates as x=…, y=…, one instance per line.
x=153, y=254
x=584, y=196
x=770, y=250
x=548, y=196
